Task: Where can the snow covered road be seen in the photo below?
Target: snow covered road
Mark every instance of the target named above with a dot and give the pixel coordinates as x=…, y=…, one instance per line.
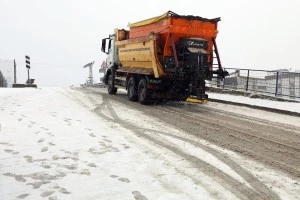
x=62, y=143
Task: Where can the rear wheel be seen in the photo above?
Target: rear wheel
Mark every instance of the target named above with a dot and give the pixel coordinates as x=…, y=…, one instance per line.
x=143, y=92
x=111, y=85
x=132, y=91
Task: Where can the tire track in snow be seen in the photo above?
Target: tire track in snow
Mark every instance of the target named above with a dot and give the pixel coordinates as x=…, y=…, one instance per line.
x=243, y=192
x=246, y=141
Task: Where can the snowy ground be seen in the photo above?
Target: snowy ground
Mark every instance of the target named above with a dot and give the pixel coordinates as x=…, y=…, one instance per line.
x=290, y=106
x=274, y=117
x=54, y=146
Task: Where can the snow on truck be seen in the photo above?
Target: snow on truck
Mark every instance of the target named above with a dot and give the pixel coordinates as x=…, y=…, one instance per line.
x=165, y=57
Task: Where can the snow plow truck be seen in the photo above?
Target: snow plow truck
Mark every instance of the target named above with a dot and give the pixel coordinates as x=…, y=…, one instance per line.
x=167, y=57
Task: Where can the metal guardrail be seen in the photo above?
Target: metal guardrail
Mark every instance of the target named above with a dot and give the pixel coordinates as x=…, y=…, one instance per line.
x=279, y=83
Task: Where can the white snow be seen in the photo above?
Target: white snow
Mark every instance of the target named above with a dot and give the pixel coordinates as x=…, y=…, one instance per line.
x=281, y=105
x=54, y=145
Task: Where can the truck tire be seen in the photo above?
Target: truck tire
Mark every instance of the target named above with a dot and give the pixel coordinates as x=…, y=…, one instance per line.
x=143, y=92
x=132, y=90
x=111, y=85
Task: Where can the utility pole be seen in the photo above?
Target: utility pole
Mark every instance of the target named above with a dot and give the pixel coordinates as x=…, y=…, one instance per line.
x=15, y=71
x=91, y=79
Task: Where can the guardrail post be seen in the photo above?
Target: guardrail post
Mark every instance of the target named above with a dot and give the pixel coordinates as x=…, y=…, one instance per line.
x=276, y=87
x=247, y=83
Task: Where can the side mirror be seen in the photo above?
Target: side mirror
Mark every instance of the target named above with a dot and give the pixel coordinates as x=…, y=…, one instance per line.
x=104, y=47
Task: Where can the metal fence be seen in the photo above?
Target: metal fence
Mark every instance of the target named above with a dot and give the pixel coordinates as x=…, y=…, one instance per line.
x=279, y=83
x=6, y=73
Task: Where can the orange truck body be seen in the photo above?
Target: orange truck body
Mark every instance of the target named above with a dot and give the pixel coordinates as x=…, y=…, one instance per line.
x=181, y=28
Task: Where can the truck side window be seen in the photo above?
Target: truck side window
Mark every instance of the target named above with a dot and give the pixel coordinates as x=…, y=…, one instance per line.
x=109, y=45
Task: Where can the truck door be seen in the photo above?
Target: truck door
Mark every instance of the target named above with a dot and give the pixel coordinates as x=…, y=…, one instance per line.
x=108, y=47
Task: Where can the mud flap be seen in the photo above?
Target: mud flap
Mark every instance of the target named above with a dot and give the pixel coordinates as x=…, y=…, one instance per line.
x=199, y=82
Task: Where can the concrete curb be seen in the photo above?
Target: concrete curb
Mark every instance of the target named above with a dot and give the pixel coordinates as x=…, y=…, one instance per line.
x=286, y=112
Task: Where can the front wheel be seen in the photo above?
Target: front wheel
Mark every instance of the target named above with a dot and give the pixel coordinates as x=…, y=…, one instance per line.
x=111, y=85
x=143, y=92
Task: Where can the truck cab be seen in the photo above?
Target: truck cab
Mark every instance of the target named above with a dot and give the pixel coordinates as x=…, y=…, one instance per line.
x=112, y=61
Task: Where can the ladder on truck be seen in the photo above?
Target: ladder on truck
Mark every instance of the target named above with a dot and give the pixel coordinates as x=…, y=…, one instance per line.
x=216, y=61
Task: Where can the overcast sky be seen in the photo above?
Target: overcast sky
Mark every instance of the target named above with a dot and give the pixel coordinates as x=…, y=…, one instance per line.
x=61, y=36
